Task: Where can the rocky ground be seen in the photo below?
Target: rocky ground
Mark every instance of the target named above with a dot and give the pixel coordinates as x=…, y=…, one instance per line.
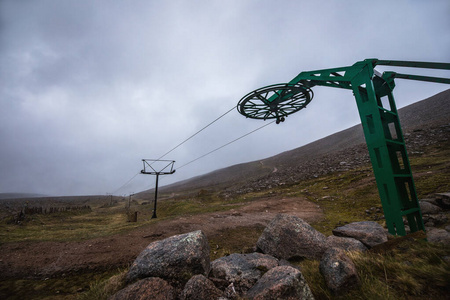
x=46, y=259
x=179, y=267
x=416, y=140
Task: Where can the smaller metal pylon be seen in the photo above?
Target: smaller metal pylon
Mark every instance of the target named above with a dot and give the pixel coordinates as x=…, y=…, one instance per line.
x=150, y=169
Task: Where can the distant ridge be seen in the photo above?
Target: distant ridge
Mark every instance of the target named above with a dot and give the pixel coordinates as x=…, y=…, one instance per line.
x=20, y=195
x=348, y=145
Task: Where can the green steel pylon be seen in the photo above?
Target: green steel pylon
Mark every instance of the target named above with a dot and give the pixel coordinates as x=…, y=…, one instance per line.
x=379, y=118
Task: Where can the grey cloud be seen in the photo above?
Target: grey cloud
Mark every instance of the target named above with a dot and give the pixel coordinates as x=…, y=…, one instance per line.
x=88, y=89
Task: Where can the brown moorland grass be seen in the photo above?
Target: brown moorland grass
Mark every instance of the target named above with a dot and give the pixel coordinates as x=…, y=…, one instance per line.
x=411, y=271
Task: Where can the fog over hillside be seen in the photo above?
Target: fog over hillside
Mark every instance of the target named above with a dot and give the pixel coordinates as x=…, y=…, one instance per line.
x=19, y=195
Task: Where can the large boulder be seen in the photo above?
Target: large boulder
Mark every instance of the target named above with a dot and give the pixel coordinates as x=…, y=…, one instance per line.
x=345, y=243
x=440, y=236
x=148, y=288
x=289, y=237
x=178, y=257
x=338, y=270
x=429, y=208
x=240, y=272
x=200, y=288
x=283, y=282
x=368, y=232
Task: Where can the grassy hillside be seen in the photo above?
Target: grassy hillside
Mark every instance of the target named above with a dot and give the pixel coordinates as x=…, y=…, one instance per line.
x=344, y=197
x=410, y=268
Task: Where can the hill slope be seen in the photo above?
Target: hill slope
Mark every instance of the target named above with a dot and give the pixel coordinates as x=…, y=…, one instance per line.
x=339, y=151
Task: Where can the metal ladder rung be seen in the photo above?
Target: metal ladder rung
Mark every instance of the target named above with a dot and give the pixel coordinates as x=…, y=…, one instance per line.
x=410, y=211
x=387, y=111
x=392, y=142
x=403, y=175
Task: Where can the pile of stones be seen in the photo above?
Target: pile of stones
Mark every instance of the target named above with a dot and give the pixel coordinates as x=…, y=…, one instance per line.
x=435, y=215
x=179, y=267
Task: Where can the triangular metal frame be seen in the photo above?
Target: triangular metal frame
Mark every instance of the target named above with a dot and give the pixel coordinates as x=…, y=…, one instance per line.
x=167, y=170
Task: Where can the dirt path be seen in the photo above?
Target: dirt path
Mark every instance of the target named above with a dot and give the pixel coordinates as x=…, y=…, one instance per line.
x=42, y=259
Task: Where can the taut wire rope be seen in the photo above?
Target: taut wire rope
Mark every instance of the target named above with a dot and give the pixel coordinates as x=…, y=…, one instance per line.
x=196, y=133
x=235, y=140
x=190, y=137
x=206, y=154
x=126, y=183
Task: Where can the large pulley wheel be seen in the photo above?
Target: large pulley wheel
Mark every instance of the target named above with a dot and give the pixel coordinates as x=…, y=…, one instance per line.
x=275, y=101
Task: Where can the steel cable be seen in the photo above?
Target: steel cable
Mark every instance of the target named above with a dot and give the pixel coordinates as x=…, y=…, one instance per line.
x=190, y=137
x=126, y=183
x=196, y=133
x=206, y=154
x=261, y=127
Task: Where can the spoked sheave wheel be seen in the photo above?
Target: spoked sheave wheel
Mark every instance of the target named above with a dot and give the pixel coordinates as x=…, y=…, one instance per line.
x=275, y=101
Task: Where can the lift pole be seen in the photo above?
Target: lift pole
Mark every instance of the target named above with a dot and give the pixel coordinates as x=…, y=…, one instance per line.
x=379, y=118
x=150, y=169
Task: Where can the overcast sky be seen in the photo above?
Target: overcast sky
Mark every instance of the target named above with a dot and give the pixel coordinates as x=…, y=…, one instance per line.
x=89, y=88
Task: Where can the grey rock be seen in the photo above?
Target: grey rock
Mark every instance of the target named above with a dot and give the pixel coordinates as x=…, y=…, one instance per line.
x=346, y=243
x=148, y=288
x=178, y=257
x=241, y=271
x=429, y=224
x=436, y=235
x=338, y=270
x=443, y=199
x=283, y=282
x=368, y=232
x=284, y=262
x=428, y=208
x=289, y=237
x=430, y=200
x=438, y=219
x=200, y=288
x=434, y=220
